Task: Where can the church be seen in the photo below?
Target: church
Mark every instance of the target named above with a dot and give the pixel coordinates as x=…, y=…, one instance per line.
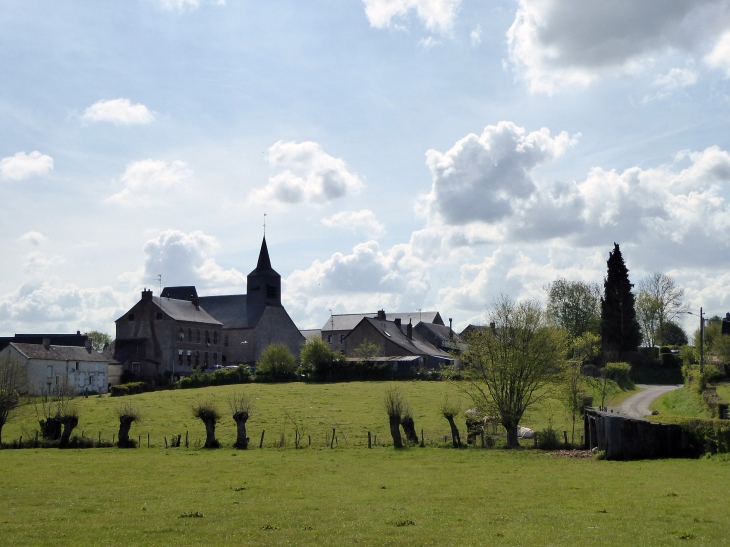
x=172, y=335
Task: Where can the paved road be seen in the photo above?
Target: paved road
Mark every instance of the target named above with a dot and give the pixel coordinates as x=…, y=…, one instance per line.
x=638, y=405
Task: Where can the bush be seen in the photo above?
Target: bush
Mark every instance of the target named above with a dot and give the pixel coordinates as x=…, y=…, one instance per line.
x=221, y=377
x=548, y=439
x=276, y=364
x=619, y=373
x=704, y=436
x=670, y=360
x=131, y=388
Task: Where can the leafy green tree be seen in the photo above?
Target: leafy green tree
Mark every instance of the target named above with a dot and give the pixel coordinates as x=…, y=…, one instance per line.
x=573, y=392
x=575, y=306
x=319, y=358
x=620, y=329
x=647, y=313
x=674, y=335
x=507, y=366
x=368, y=349
x=276, y=362
x=99, y=340
x=13, y=379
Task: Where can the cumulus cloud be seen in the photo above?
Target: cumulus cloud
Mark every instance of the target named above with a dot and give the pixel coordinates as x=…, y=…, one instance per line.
x=185, y=259
x=436, y=15
x=476, y=36
x=363, y=222
x=677, y=78
x=554, y=43
x=118, y=112
x=186, y=5
x=21, y=165
x=33, y=237
x=310, y=174
x=148, y=181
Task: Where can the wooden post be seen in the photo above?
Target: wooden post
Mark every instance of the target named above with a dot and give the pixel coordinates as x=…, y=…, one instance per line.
x=376, y=440
x=423, y=439
x=370, y=441
x=165, y=442
x=332, y=444
x=261, y=444
x=483, y=443
x=20, y=442
x=178, y=440
x=186, y=439
x=148, y=440
x=565, y=436
x=310, y=440
x=139, y=441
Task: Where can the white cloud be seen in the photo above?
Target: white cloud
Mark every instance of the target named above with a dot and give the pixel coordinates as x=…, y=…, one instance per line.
x=429, y=42
x=719, y=57
x=186, y=5
x=556, y=43
x=436, y=15
x=310, y=174
x=677, y=78
x=476, y=36
x=363, y=222
x=22, y=165
x=185, y=259
x=119, y=112
x=33, y=237
x=148, y=181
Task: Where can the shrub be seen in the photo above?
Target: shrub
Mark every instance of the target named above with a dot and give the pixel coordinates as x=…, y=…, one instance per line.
x=704, y=436
x=276, y=364
x=548, y=439
x=220, y=377
x=131, y=388
x=619, y=373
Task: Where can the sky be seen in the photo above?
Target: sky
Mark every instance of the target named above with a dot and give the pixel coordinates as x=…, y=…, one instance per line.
x=407, y=154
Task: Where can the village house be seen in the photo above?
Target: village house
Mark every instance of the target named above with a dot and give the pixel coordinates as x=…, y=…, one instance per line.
x=51, y=369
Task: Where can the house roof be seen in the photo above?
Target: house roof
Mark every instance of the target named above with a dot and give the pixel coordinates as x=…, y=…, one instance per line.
x=77, y=339
x=186, y=292
x=184, y=310
x=229, y=309
x=441, y=331
x=348, y=321
x=59, y=353
x=311, y=333
x=416, y=344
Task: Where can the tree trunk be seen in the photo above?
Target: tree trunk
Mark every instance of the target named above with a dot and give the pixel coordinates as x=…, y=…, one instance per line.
x=512, y=440
x=395, y=431
x=51, y=428
x=210, y=441
x=125, y=424
x=241, y=439
x=455, y=437
x=409, y=428
x=69, y=422
x=1, y=432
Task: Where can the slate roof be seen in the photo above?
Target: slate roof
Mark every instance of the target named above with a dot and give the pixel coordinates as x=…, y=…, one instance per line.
x=183, y=310
x=229, y=309
x=348, y=321
x=416, y=344
x=311, y=333
x=187, y=292
x=59, y=353
x=263, y=266
x=77, y=339
x=441, y=331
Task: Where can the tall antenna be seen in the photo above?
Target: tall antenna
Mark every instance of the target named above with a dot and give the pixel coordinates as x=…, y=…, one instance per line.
x=159, y=278
x=264, y=224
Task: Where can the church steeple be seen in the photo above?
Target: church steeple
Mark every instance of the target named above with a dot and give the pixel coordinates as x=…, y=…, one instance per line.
x=263, y=267
x=263, y=286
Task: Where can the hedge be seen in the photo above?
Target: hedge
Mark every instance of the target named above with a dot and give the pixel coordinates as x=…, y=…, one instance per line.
x=704, y=436
x=221, y=377
x=132, y=388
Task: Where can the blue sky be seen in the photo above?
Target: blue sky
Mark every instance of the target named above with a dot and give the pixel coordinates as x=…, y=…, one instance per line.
x=408, y=153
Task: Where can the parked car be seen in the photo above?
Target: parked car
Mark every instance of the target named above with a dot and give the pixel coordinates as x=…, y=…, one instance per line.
x=213, y=368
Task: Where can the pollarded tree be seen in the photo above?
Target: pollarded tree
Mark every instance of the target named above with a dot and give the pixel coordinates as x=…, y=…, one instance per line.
x=208, y=413
x=395, y=406
x=575, y=306
x=12, y=381
x=128, y=414
x=449, y=410
x=620, y=329
x=242, y=407
x=508, y=365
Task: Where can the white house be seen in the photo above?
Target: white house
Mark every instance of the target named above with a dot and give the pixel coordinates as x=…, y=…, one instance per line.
x=50, y=368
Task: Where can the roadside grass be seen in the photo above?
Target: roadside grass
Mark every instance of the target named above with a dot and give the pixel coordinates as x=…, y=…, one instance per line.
x=680, y=402
x=416, y=496
x=352, y=408
x=723, y=391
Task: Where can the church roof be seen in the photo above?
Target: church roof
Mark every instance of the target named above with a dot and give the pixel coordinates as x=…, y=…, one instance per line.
x=228, y=309
x=263, y=267
x=180, y=293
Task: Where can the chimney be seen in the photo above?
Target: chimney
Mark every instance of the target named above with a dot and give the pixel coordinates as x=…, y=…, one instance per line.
x=87, y=345
x=451, y=330
x=397, y=322
x=147, y=295
x=381, y=315
x=47, y=343
x=78, y=333
x=409, y=330
x=196, y=302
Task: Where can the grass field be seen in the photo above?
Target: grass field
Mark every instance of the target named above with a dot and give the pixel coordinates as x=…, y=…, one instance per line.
x=352, y=408
x=416, y=496
x=680, y=402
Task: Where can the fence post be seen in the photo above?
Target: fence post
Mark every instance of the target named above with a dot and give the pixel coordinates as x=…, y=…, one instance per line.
x=310, y=440
x=261, y=444
x=139, y=441
x=370, y=444
x=148, y=440
x=423, y=439
x=332, y=444
x=186, y=439
x=165, y=442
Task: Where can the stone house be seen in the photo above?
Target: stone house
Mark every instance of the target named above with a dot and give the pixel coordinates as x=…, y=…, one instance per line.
x=53, y=368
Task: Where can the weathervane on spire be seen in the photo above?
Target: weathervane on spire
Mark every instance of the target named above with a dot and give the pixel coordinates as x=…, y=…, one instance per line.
x=264, y=224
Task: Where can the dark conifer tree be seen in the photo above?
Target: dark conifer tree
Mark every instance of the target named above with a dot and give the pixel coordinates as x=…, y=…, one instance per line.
x=621, y=331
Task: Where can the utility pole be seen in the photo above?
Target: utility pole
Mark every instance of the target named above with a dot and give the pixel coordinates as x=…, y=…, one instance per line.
x=702, y=343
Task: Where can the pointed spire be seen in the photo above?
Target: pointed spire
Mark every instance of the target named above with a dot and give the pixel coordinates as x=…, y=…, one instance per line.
x=264, y=262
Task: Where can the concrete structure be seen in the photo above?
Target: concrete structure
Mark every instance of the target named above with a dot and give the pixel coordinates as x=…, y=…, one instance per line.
x=340, y=325
x=51, y=369
x=173, y=335
x=397, y=340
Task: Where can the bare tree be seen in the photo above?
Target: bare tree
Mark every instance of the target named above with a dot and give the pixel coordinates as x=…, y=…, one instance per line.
x=208, y=413
x=128, y=414
x=409, y=426
x=574, y=305
x=647, y=314
x=667, y=295
x=573, y=393
x=51, y=409
x=12, y=381
x=508, y=365
x=395, y=406
x=449, y=410
x=242, y=407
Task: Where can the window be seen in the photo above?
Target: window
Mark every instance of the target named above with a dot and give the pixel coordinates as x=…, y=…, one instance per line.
x=342, y=338
x=159, y=315
x=223, y=359
x=207, y=338
x=181, y=334
x=270, y=291
x=205, y=360
x=135, y=367
x=329, y=338
x=198, y=331
x=48, y=387
x=77, y=365
x=215, y=358
x=190, y=335
x=179, y=357
x=197, y=358
x=215, y=337
x=49, y=371
x=225, y=340
x=131, y=317
x=190, y=358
